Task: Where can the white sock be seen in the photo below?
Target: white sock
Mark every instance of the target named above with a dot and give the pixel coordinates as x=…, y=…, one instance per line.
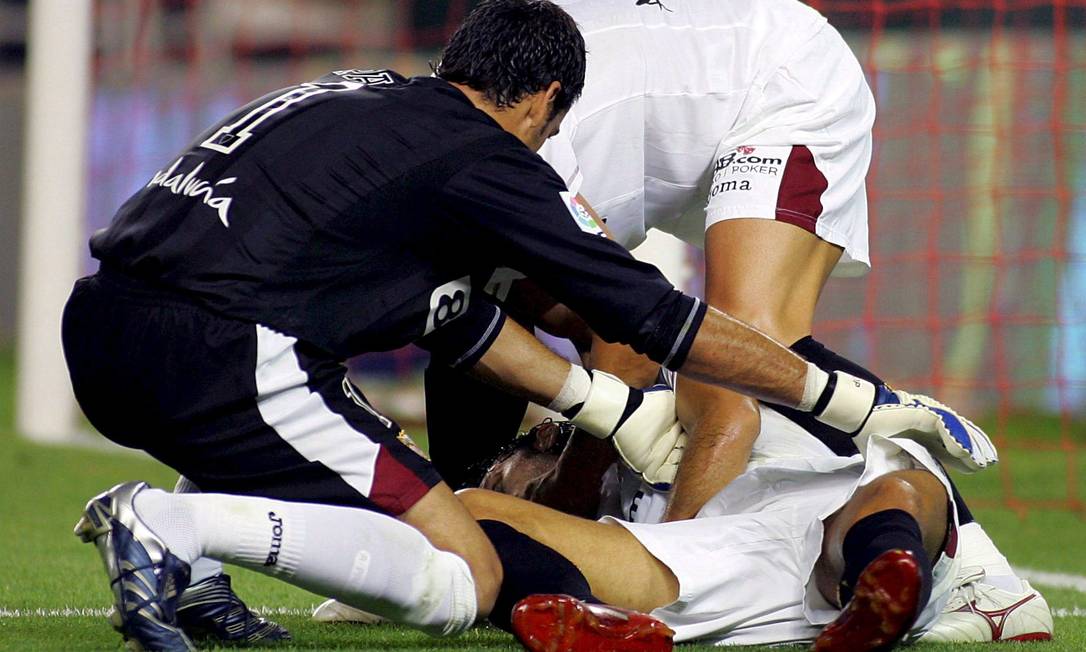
x=978, y=549
x=364, y=559
x=574, y=390
x=204, y=567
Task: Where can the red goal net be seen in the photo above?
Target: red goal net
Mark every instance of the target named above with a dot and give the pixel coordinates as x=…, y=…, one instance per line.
x=977, y=185
x=978, y=220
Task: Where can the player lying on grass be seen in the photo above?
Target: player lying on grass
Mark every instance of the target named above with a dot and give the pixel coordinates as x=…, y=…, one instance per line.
x=769, y=559
x=988, y=602
x=361, y=212
x=743, y=127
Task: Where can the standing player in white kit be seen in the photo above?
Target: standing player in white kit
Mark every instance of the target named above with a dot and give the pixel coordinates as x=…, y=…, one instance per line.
x=745, y=127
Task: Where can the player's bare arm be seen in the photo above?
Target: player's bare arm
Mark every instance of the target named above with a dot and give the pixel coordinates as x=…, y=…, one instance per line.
x=728, y=353
x=520, y=364
x=721, y=427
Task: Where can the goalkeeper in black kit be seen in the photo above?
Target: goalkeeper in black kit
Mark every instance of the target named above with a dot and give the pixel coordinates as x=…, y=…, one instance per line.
x=361, y=212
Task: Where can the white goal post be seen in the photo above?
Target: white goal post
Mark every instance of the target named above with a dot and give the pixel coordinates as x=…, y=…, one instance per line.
x=52, y=240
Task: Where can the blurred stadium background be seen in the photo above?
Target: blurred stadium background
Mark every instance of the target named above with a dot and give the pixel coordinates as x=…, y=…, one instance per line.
x=977, y=187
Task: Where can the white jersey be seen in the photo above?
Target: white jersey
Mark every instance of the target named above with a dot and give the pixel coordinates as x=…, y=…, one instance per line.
x=696, y=111
x=745, y=563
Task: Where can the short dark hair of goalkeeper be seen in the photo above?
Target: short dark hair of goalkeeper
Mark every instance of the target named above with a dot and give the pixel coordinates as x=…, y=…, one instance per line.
x=509, y=49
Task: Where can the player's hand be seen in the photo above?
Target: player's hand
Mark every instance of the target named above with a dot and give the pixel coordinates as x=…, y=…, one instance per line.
x=643, y=423
x=956, y=441
x=862, y=409
x=656, y=460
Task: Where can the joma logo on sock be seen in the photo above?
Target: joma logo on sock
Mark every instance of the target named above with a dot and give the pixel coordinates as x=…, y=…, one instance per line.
x=276, y=541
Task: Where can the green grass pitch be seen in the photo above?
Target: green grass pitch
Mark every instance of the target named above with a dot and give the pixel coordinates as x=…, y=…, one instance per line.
x=53, y=590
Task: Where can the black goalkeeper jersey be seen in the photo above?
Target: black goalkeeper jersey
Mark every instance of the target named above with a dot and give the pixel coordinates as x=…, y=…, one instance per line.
x=363, y=210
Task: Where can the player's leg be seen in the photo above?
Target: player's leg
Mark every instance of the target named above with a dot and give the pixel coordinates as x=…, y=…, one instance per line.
x=785, y=203
x=202, y=569
x=988, y=585
x=209, y=607
x=570, y=617
x=839, y=215
x=248, y=411
x=618, y=568
x=768, y=273
x=601, y=561
x=787, y=314
x=877, y=559
x=915, y=498
x=364, y=558
x=321, y=442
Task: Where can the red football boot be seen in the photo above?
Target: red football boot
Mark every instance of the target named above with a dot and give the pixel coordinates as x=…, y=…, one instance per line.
x=562, y=623
x=883, y=607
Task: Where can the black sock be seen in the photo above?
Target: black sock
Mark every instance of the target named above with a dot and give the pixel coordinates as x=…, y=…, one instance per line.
x=530, y=567
x=873, y=535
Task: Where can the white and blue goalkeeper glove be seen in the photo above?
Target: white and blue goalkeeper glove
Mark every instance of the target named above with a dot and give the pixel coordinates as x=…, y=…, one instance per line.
x=645, y=430
x=951, y=438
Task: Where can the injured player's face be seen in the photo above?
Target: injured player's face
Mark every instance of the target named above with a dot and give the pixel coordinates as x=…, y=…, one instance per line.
x=530, y=457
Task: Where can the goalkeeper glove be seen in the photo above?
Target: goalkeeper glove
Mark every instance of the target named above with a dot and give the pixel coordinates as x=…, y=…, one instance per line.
x=863, y=409
x=645, y=430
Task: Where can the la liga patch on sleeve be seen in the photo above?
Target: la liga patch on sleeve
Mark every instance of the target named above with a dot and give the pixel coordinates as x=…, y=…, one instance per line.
x=580, y=214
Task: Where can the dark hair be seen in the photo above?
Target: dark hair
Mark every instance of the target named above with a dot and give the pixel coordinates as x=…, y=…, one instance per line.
x=509, y=49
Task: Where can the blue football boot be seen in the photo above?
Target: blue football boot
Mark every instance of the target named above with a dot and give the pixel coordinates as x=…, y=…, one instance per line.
x=210, y=610
x=145, y=576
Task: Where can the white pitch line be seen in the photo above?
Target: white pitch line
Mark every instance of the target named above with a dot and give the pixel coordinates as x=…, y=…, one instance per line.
x=1073, y=612
x=98, y=612
x=87, y=612
x=64, y=612
x=1053, y=580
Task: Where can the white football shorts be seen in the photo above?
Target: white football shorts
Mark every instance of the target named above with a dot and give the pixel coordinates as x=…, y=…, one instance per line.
x=800, y=152
x=745, y=564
